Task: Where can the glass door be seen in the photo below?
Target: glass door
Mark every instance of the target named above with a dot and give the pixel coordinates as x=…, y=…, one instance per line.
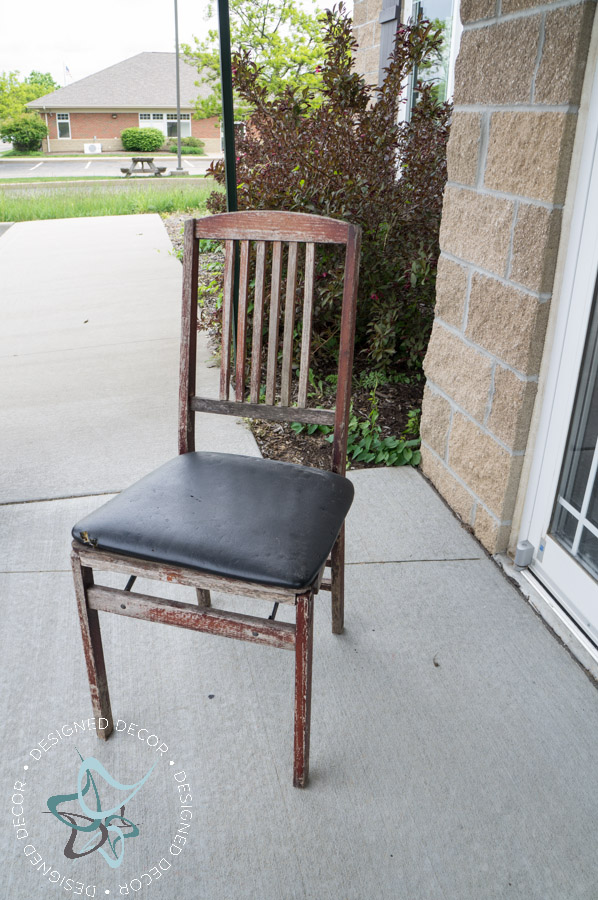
x=560, y=514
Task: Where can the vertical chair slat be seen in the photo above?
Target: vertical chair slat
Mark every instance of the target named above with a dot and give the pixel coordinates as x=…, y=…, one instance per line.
x=274, y=322
x=308, y=301
x=258, y=321
x=289, y=324
x=242, y=322
x=188, y=339
x=227, y=318
x=345, y=353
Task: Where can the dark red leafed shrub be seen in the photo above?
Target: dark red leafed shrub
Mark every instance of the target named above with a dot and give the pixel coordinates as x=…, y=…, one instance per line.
x=350, y=158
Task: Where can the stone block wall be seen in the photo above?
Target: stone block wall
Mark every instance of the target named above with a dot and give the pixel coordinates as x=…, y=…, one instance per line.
x=518, y=83
x=366, y=30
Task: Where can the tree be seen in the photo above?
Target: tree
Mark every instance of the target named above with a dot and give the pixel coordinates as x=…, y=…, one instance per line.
x=15, y=94
x=24, y=131
x=284, y=40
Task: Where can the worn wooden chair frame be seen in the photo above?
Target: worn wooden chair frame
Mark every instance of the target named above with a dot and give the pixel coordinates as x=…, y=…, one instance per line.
x=244, y=227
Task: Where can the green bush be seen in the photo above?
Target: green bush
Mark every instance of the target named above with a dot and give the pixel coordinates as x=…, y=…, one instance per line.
x=24, y=131
x=190, y=146
x=192, y=142
x=351, y=158
x=144, y=140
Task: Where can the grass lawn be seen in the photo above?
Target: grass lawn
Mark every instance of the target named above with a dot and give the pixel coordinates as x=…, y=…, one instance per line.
x=79, y=203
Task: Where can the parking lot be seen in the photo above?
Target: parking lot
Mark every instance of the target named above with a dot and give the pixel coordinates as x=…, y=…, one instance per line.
x=36, y=167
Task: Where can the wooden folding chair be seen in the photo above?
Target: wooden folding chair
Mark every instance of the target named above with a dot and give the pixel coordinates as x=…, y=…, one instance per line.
x=245, y=525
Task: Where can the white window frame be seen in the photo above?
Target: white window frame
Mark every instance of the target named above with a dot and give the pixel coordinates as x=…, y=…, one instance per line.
x=63, y=117
x=160, y=120
x=456, y=32
x=185, y=120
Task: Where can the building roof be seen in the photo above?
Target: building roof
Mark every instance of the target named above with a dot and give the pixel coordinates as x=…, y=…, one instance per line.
x=145, y=81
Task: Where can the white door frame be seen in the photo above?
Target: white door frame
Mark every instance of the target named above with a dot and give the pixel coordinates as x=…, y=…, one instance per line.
x=576, y=295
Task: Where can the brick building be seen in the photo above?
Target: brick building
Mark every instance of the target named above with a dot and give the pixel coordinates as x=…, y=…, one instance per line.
x=138, y=92
x=510, y=413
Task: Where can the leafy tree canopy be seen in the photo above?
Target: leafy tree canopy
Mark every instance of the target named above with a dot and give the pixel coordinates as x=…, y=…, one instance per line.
x=15, y=94
x=285, y=41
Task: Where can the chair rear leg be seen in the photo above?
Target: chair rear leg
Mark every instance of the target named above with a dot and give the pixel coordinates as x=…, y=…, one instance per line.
x=338, y=583
x=303, y=668
x=203, y=597
x=92, y=646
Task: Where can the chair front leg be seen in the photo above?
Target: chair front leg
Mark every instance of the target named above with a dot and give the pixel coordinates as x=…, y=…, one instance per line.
x=92, y=646
x=303, y=666
x=338, y=583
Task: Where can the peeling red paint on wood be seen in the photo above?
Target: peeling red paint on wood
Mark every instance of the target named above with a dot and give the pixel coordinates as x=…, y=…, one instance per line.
x=303, y=672
x=186, y=615
x=92, y=647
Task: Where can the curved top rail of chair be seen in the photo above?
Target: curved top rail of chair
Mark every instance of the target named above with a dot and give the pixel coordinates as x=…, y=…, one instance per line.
x=264, y=225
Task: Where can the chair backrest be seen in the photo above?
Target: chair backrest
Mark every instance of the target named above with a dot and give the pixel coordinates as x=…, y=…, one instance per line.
x=239, y=231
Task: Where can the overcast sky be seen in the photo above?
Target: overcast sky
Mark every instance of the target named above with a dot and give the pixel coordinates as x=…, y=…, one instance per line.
x=87, y=36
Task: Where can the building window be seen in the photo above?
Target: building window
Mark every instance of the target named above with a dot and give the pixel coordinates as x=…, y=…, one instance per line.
x=63, y=124
x=157, y=117
x=171, y=129
x=443, y=14
x=144, y=117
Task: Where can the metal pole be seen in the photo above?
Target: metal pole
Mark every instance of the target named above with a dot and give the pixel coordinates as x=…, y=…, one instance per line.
x=228, y=116
x=179, y=169
x=228, y=127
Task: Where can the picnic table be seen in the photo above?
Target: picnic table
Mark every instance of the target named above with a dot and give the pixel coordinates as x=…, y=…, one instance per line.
x=139, y=163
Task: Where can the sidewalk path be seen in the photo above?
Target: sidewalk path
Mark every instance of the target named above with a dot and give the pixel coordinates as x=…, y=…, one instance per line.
x=453, y=738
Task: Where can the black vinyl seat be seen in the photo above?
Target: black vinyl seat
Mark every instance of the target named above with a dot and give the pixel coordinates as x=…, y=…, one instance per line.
x=241, y=517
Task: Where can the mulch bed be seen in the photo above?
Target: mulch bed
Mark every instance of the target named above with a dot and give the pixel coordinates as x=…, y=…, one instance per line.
x=278, y=440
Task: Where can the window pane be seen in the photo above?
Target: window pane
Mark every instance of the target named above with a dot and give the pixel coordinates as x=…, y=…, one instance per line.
x=563, y=527
x=440, y=13
x=171, y=129
x=159, y=116
x=64, y=129
x=588, y=551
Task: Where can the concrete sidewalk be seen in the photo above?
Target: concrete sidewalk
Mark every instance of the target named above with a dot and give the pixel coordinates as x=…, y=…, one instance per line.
x=453, y=737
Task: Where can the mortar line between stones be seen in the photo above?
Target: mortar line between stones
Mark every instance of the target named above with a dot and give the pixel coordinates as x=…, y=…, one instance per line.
x=466, y=303
x=491, y=392
x=483, y=428
x=519, y=14
x=542, y=297
x=503, y=195
x=482, y=350
x=467, y=487
x=512, y=240
x=572, y=108
x=483, y=156
x=538, y=57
